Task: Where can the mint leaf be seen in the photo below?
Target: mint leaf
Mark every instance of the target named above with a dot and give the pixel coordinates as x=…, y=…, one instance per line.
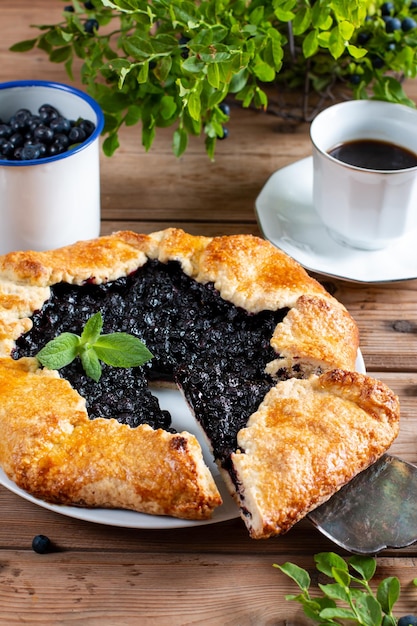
x=91, y=364
x=60, y=351
x=122, y=350
x=92, y=329
x=115, y=349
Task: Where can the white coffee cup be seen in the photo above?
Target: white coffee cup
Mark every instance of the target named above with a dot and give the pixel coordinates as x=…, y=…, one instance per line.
x=364, y=208
x=53, y=201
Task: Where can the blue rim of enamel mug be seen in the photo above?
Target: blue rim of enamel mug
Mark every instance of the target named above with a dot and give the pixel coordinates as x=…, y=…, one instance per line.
x=68, y=89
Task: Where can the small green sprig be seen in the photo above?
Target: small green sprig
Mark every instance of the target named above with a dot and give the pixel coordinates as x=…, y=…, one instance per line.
x=359, y=604
x=116, y=349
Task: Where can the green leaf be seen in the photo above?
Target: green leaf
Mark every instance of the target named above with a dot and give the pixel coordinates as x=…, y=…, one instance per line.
x=364, y=565
x=119, y=5
x=301, y=21
x=138, y=47
x=388, y=593
x=332, y=613
x=213, y=75
x=91, y=364
x=326, y=562
x=274, y=51
x=163, y=68
x=256, y=16
x=193, y=65
x=260, y=98
x=263, y=71
x=24, y=46
x=355, y=52
x=341, y=576
x=59, y=351
x=313, y=607
x=110, y=144
x=323, y=39
x=335, y=591
x=133, y=115
x=346, y=29
x=121, y=350
x=194, y=106
x=389, y=88
x=143, y=73
x=92, y=329
x=168, y=107
x=210, y=143
x=60, y=55
x=310, y=44
x=369, y=609
x=238, y=81
x=179, y=141
x=284, y=16
x=299, y=575
x=148, y=136
x=336, y=43
x=58, y=37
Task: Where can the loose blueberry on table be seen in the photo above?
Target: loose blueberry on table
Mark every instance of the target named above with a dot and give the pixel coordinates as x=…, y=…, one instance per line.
x=30, y=136
x=41, y=544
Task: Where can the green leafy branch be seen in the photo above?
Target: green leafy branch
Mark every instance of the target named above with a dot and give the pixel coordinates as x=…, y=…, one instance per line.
x=173, y=62
x=351, y=588
x=115, y=349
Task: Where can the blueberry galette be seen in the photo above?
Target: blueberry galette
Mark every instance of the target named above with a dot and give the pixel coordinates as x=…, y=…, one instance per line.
x=263, y=355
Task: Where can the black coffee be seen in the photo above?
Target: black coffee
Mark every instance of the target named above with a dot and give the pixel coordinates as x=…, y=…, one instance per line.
x=371, y=154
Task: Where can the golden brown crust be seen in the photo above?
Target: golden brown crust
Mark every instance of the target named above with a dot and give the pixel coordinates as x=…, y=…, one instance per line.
x=253, y=274
x=308, y=439
x=98, y=260
x=296, y=337
x=51, y=449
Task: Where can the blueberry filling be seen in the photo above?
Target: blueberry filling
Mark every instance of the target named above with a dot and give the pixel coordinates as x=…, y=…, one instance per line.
x=215, y=351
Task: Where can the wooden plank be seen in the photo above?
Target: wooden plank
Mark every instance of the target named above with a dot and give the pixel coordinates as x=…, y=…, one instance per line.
x=154, y=589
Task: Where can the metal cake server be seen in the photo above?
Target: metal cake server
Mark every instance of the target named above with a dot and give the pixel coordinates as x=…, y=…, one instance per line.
x=374, y=511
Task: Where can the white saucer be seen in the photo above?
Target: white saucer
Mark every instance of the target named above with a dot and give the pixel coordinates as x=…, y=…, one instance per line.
x=288, y=219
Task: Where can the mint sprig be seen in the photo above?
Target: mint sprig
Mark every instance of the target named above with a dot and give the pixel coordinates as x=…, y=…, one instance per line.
x=116, y=349
x=351, y=588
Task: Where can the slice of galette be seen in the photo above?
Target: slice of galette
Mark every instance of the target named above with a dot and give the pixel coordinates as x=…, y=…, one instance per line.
x=264, y=356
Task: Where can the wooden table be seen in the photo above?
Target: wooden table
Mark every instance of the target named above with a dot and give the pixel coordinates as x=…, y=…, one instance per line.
x=212, y=575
